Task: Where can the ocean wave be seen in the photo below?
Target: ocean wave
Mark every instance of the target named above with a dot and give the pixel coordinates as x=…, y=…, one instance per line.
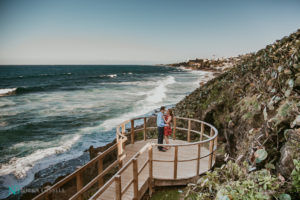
x=20, y=166
x=8, y=91
x=109, y=75
x=153, y=100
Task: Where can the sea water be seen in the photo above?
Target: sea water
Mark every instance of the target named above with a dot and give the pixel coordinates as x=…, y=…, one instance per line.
x=50, y=114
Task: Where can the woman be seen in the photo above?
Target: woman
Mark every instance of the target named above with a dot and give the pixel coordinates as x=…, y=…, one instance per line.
x=168, y=130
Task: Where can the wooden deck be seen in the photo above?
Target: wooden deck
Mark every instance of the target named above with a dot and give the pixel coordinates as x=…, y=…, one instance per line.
x=162, y=170
x=140, y=165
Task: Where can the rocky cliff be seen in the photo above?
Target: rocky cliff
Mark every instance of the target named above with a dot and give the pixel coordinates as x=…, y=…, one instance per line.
x=255, y=105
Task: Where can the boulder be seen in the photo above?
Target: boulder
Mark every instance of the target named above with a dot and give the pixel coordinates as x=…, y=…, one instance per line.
x=289, y=151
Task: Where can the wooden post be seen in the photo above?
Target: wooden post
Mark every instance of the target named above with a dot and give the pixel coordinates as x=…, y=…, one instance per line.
x=174, y=128
x=202, y=131
x=49, y=196
x=211, y=147
x=175, y=161
x=79, y=183
x=198, y=159
x=215, y=147
x=100, y=170
x=120, y=162
x=118, y=187
x=132, y=131
x=119, y=145
x=135, y=179
x=189, y=131
x=150, y=155
x=150, y=158
x=145, y=128
x=123, y=129
x=123, y=133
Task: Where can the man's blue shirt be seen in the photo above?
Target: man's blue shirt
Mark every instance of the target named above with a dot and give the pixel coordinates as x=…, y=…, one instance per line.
x=160, y=121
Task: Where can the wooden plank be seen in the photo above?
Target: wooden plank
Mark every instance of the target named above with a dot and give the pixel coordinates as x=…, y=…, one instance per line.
x=174, y=128
x=132, y=131
x=145, y=128
x=118, y=187
x=175, y=161
x=189, y=131
x=135, y=179
x=161, y=173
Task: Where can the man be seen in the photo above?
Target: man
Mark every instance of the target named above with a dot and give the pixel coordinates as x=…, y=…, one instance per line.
x=160, y=127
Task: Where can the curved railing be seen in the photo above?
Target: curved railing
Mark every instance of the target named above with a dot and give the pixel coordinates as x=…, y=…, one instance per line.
x=194, y=136
x=204, y=139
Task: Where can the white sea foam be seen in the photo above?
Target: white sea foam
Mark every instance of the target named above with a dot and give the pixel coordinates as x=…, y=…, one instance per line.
x=20, y=166
x=153, y=100
x=112, y=75
x=7, y=91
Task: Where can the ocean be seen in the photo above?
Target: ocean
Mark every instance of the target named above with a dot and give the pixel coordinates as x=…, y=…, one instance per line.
x=49, y=115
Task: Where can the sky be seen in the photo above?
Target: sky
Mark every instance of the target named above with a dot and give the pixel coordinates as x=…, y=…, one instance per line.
x=139, y=31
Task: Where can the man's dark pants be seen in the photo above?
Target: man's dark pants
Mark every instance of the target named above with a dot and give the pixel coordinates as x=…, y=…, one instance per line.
x=160, y=131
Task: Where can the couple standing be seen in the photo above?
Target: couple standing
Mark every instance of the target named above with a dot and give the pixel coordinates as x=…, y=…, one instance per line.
x=164, y=127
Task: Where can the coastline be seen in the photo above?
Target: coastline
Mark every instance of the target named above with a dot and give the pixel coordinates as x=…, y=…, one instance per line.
x=87, y=155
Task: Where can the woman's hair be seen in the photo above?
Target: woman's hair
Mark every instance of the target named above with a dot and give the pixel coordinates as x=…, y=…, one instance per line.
x=171, y=114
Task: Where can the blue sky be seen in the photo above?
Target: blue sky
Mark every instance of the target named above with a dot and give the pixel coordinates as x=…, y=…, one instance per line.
x=139, y=31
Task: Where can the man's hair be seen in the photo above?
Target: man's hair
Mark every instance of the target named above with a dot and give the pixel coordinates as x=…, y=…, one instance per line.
x=162, y=108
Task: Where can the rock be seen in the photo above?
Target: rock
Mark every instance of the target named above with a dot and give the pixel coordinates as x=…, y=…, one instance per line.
x=296, y=66
x=230, y=124
x=265, y=114
x=287, y=71
x=289, y=151
x=287, y=93
x=297, y=81
x=290, y=82
x=280, y=68
x=296, y=122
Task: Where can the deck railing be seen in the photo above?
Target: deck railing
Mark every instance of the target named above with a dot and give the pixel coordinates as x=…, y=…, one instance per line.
x=128, y=129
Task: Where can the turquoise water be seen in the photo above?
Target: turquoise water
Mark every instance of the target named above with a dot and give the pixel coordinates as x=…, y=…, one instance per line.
x=51, y=114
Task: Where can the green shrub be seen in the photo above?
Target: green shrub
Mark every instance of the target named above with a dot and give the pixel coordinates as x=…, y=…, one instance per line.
x=233, y=181
x=296, y=176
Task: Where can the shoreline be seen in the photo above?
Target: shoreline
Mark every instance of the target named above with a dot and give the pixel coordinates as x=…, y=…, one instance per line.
x=90, y=151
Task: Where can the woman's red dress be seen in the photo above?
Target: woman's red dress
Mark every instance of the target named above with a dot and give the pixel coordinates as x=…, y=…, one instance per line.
x=167, y=129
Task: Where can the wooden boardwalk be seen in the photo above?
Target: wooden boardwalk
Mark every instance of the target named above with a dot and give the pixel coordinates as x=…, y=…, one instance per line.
x=161, y=170
x=140, y=165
